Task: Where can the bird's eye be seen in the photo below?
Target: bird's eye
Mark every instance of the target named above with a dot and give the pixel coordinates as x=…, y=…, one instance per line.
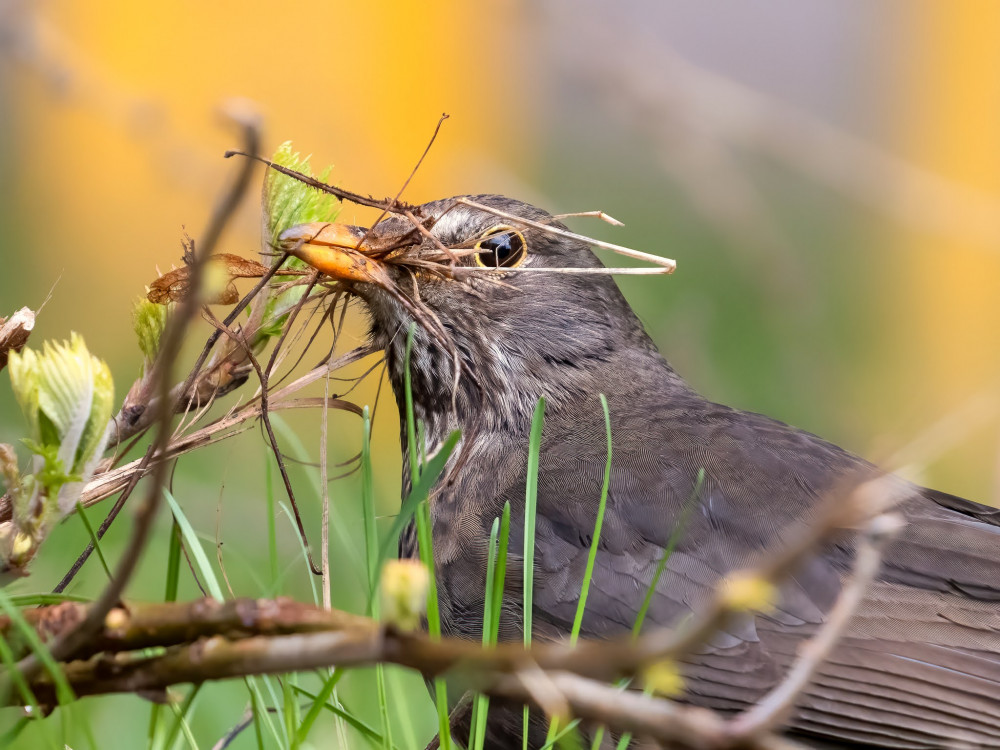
x=501, y=247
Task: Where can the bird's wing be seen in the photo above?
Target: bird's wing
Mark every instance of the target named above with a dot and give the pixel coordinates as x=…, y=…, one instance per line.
x=922, y=661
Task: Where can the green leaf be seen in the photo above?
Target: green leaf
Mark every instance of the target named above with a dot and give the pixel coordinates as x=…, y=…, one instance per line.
x=288, y=202
x=148, y=321
x=195, y=548
x=24, y=375
x=428, y=478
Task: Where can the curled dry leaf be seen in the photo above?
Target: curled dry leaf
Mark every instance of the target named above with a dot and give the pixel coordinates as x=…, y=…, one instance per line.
x=14, y=332
x=223, y=267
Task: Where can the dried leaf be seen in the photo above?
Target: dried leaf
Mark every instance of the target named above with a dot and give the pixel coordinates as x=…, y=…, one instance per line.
x=239, y=267
x=14, y=332
x=173, y=285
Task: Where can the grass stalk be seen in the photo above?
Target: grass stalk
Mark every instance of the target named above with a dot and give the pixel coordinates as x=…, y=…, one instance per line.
x=530, y=513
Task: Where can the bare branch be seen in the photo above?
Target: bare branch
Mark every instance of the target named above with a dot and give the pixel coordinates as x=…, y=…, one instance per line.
x=774, y=708
x=173, y=337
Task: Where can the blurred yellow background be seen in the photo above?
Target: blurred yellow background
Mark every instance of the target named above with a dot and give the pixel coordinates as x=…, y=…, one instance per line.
x=826, y=173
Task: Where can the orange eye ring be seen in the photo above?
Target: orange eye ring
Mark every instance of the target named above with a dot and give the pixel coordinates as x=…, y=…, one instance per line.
x=501, y=246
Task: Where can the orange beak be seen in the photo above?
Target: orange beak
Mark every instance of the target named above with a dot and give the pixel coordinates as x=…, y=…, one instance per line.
x=333, y=249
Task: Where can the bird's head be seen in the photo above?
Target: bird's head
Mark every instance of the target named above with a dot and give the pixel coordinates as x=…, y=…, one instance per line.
x=506, y=299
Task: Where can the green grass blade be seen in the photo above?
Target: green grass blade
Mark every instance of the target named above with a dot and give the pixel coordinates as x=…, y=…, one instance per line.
x=675, y=537
x=272, y=524
x=420, y=491
x=289, y=710
x=404, y=706
x=424, y=534
x=93, y=538
x=321, y=701
x=368, y=513
x=581, y=606
x=372, y=559
x=173, y=564
x=170, y=595
x=494, y=590
x=411, y=433
x=491, y=565
x=39, y=600
x=426, y=545
x=480, y=708
x=27, y=695
x=261, y=710
x=501, y=572
x=64, y=693
x=195, y=548
x=10, y=664
x=530, y=509
x=383, y=706
x=180, y=725
x=564, y=734
x=598, y=525
x=256, y=709
x=8, y=737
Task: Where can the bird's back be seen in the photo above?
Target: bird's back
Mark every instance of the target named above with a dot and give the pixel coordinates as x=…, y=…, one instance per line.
x=920, y=666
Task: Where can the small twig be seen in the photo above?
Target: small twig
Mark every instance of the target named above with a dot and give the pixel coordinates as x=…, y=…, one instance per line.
x=109, y=483
x=386, y=204
x=773, y=709
x=666, y=264
x=399, y=193
x=182, y=395
x=844, y=508
x=272, y=439
x=593, y=214
x=359, y=642
x=543, y=691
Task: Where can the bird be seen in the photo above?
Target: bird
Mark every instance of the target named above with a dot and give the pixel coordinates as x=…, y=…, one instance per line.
x=500, y=328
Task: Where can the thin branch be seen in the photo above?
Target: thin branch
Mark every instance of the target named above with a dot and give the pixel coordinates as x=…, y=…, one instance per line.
x=106, y=483
x=360, y=642
x=666, y=264
x=774, y=708
x=399, y=193
x=172, y=340
x=608, y=660
x=272, y=440
x=850, y=505
x=386, y=204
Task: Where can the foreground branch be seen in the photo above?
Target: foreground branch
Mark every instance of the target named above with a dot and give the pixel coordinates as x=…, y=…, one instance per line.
x=208, y=640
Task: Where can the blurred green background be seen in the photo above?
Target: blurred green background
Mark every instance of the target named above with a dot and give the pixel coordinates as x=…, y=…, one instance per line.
x=826, y=173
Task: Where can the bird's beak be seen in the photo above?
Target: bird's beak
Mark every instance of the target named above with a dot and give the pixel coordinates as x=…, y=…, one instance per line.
x=334, y=249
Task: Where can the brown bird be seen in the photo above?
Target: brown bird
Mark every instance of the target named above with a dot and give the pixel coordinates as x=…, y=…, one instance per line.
x=920, y=664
